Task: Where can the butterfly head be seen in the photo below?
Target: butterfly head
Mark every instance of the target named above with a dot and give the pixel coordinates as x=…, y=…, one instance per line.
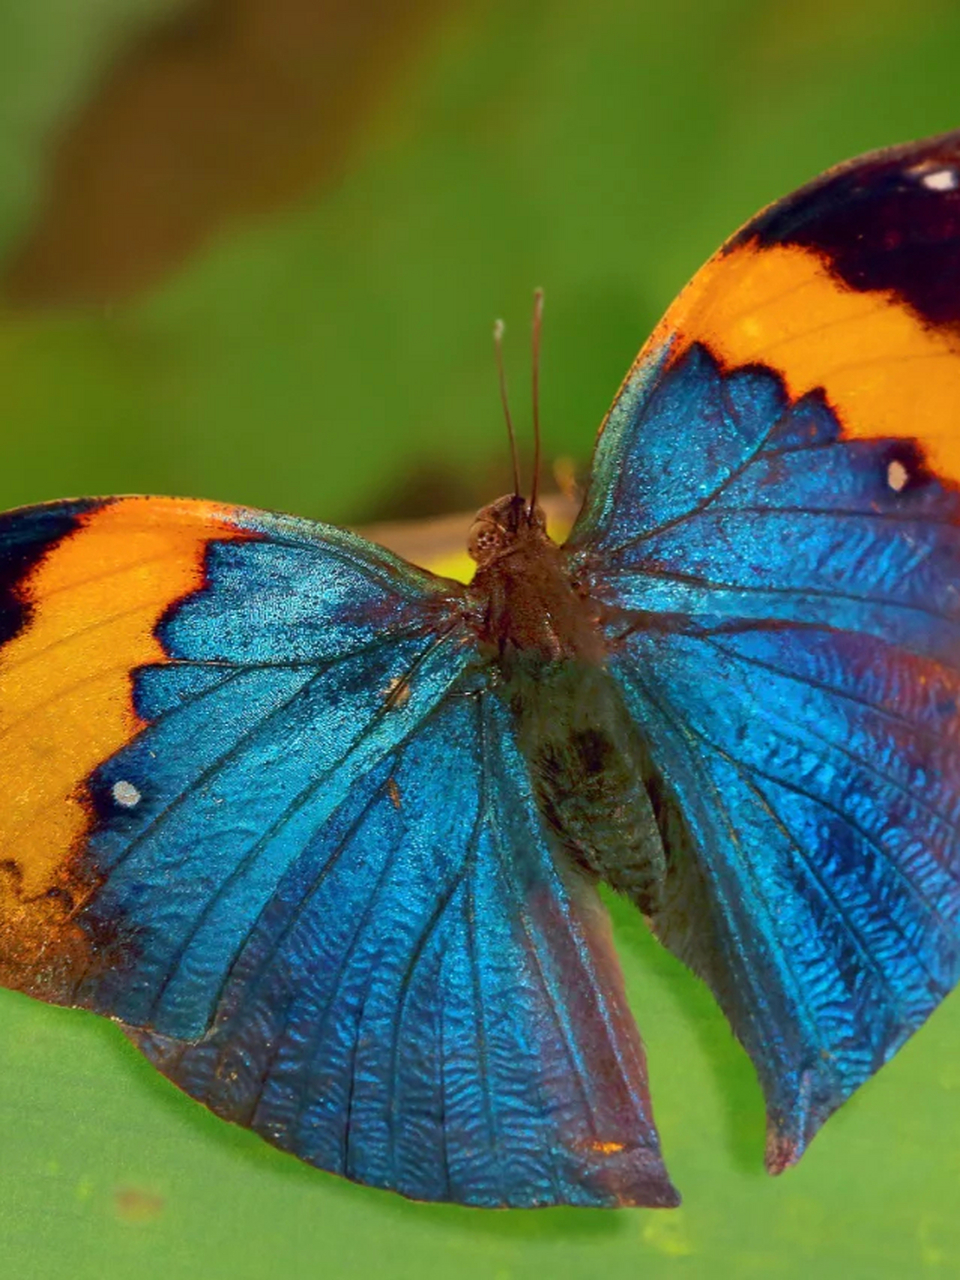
x=504, y=526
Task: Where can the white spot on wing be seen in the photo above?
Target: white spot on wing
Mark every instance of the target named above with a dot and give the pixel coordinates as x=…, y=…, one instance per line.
x=941, y=180
x=126, y=794
x=897, y=475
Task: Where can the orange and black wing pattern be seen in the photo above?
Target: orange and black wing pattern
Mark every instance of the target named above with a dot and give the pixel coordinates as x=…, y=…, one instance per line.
x=852, y=285
x=84, y=587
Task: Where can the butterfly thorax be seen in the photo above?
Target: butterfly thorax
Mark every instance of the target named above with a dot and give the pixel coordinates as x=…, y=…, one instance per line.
x=589, y=763
x=527, y=604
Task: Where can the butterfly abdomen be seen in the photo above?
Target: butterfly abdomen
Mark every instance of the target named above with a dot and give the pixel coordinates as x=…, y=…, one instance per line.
x=587, y=763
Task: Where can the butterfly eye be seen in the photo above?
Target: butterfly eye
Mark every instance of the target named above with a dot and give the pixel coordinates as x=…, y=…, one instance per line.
x=486, y=538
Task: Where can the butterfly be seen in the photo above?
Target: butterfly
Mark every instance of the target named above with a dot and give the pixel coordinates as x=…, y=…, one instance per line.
x=323, y=831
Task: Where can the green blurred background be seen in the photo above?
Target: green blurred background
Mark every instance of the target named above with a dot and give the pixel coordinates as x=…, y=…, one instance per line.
x=251, y=250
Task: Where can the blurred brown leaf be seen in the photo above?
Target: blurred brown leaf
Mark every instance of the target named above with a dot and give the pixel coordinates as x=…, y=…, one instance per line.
x=234, y=108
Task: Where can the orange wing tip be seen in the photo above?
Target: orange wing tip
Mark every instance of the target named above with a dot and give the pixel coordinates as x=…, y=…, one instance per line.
x=91, y=604
x=885, y=371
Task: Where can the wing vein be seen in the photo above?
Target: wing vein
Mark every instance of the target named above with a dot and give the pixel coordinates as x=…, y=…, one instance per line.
x=467, y=865
x=788, y=593
x=923, y=731
x=477, y=985
x=688, y=732
x=853, y=931
x=299, y=801
x=860, y=761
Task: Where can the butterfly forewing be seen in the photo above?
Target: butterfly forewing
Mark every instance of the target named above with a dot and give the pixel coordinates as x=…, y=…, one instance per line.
x=282, y=831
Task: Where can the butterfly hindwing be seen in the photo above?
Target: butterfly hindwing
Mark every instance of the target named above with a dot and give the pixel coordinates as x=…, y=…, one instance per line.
x=818, y=792
x=427, y=1003
x=775, y=538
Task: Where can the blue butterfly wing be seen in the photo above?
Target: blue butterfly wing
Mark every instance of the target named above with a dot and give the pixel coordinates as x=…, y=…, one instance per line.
x=784, y=617
x=429, y=1001
x=814, y=880
x=310, y=879
x=288, y=678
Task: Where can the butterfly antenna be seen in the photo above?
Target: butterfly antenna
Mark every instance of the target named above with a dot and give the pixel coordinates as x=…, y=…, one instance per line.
x=498, y=346
x=537, y=326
